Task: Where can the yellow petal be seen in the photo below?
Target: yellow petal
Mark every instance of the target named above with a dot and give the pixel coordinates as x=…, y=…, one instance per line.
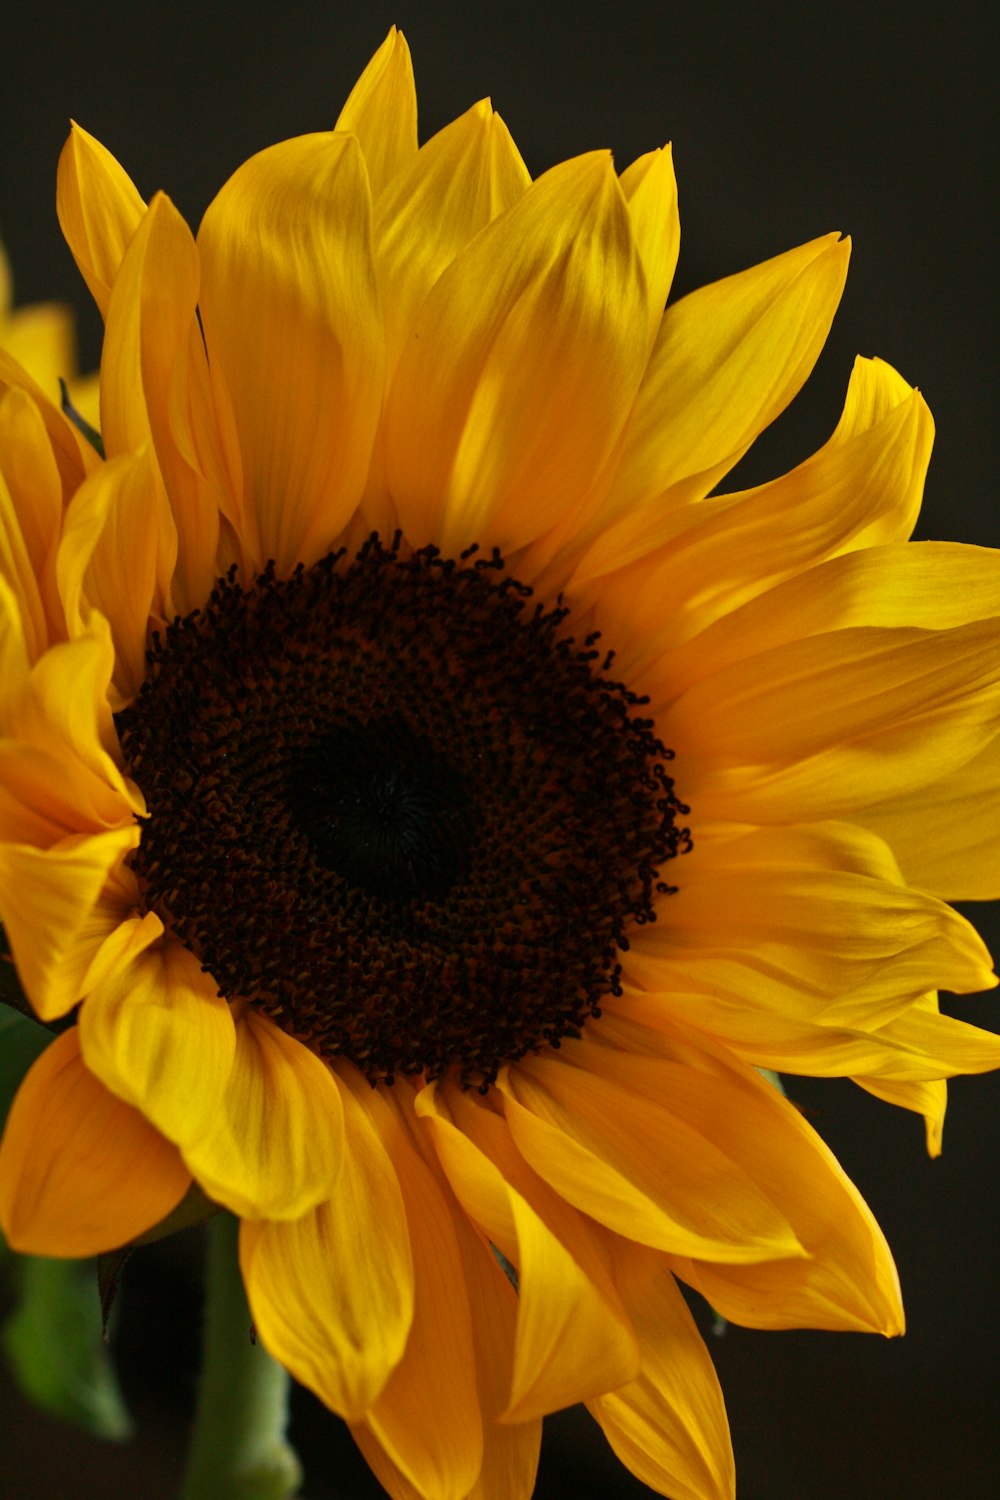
x=152, y=331
x=80, y=1172
x=650, y=190
x=72, y=452
x=861, y=489
x=114, y=534
x=332, y=1292
x=99, y=211
x=381, y=110
x=544, y=316
x=290, y=311
x=945, y=834
x=27, y=528
x=669, y=1425
x=637, y=1159
x=818, y=727
x=273, y=1145
x=462, y=179
x=729, y=358
x=510, y=1450
x=157, y=1033
x=52, y=914
x=573, y=1339
x=928, y=1099
x=818, y=930
x=428, y=1417
x=62, y=710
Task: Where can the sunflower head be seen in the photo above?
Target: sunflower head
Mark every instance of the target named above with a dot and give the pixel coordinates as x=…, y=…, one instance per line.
x=430, y=801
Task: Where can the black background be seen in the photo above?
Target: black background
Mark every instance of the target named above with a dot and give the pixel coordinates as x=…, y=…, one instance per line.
x=787, y=122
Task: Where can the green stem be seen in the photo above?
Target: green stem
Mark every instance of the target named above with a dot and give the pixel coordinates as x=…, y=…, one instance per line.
x=238, y=1448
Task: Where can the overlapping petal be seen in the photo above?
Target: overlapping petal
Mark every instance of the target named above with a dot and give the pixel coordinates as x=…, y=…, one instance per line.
x=289, y=307
x=545, y=319
x=332, y=1291
x=573, y=1338
x=99, y=211
x=381, y=110
x=669, y=1424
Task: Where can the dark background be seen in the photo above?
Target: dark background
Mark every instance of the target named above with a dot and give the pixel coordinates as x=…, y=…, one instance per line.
x=786, y=122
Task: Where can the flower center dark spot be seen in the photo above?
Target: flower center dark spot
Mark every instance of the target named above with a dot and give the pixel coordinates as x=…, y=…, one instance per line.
x=397, y=807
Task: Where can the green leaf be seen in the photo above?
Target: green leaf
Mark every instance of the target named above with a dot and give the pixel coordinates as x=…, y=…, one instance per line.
x=53, y=1343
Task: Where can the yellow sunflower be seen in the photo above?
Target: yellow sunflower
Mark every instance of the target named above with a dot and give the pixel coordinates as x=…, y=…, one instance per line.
x=431, y=804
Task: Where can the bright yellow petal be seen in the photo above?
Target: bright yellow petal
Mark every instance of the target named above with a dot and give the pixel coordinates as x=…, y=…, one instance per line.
x=72, y=452
x=729, y=358
x=945, y=834
x=381, y=110
x=572, y=1341
x=157, y=1033
x=669, y=1425
x=544, y=316
x=332, y=1292
x=650, y=190
x=861, y=489
x=43, y=339
x=821, y=726
x=462, y=179
x=80, y=1172
x=99, y=211
x=637, y=1160
x=819, y=930
x=928, y=1099
x=273, y=1145
x=52, y=915
x=290, y=310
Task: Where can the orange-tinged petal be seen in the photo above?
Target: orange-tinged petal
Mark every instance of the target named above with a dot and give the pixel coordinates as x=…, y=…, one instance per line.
x=152, y=332
x=428, y=1417
x=381, y=110
x=669, y=1425
x=510, y=1450
x=572, y=1339
x=99, y=211
x=332, y=1292
x=50, y=904
x=158, y=1034
x=846, y=1277
x=290, y=311
x=273, y=1145
x=80, y=1172
x=544, y=316
x=638, y=1162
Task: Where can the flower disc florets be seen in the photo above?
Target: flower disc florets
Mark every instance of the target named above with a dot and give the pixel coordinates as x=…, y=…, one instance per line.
x=396, y=808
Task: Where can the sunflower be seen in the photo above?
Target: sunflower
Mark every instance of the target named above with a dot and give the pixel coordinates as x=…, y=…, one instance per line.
x=428, y=805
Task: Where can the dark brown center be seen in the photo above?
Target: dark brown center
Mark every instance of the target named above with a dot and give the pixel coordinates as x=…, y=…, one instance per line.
x=398, y=808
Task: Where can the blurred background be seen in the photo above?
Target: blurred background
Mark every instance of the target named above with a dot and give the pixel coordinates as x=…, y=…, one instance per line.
x=787, y=121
